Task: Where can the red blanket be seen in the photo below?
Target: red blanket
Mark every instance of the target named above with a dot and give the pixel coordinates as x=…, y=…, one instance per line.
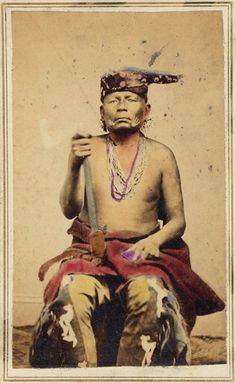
x=173, y=266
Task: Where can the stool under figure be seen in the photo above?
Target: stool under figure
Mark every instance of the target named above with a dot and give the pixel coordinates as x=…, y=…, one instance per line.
x=132, y=300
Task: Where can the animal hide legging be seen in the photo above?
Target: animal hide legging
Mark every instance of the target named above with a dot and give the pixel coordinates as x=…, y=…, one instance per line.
x=99, y=321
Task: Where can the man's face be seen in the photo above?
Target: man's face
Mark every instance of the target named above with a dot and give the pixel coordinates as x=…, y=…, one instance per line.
x=124, y=111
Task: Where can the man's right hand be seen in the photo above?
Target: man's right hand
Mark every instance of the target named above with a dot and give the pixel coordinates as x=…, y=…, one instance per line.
x=80, y=148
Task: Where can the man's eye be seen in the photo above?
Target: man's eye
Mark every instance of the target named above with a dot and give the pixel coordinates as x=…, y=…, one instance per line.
x=112, y=101
x=132, y=100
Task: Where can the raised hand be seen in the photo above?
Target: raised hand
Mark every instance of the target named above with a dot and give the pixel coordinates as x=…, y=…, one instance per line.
x=80, y=148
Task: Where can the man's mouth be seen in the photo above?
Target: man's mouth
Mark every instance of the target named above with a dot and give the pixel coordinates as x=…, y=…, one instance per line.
x=122, y=119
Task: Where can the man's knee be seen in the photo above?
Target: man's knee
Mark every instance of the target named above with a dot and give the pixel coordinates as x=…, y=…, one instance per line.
x=141, y=291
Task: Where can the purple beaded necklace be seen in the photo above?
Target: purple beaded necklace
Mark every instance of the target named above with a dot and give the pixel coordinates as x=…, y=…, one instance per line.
x=123, y=193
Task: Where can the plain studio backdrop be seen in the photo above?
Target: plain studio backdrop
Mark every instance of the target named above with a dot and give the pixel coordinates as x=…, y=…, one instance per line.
x=58, y=58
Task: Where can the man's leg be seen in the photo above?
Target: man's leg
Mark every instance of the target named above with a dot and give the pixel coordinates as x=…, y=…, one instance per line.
x=86, y=294
x=154, y=331
x=63, y=335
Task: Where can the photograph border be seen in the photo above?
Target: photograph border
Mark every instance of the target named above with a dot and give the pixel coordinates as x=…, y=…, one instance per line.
x=6, y=262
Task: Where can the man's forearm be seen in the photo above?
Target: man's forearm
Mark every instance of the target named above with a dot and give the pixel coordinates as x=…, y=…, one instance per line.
x=173, y=229
x=71, y=196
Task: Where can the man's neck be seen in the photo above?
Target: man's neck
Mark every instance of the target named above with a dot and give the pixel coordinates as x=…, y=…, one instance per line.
x=125, y=139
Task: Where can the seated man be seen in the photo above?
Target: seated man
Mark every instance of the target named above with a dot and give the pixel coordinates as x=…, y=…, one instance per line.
x=137, y=304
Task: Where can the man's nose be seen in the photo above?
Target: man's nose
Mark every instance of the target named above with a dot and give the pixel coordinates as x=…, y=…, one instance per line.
x=121, y=106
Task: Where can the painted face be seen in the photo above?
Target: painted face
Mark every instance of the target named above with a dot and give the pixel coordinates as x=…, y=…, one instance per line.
x=124, y=110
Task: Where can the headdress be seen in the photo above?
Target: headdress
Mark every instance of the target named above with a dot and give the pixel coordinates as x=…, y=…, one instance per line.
x=134, y=80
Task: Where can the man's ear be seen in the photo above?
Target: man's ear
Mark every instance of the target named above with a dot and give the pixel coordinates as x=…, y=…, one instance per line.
x=102, y=112
x=147, y=110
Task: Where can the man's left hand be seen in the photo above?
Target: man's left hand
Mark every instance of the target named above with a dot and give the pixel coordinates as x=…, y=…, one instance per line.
x=145, y=248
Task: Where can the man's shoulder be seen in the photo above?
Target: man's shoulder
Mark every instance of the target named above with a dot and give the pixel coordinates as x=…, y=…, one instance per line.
x=159, y=149
x=98, y=142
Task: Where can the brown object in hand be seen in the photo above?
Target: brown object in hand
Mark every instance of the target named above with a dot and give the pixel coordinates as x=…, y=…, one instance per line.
x=97, y=243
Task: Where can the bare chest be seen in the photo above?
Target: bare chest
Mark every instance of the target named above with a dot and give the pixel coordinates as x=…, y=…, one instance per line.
x=132, y=175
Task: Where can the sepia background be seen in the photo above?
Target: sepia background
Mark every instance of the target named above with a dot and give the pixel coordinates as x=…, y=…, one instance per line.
x=58, y=58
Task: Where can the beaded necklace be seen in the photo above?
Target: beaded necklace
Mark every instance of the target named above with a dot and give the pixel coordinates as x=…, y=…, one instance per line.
x=122, y=186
